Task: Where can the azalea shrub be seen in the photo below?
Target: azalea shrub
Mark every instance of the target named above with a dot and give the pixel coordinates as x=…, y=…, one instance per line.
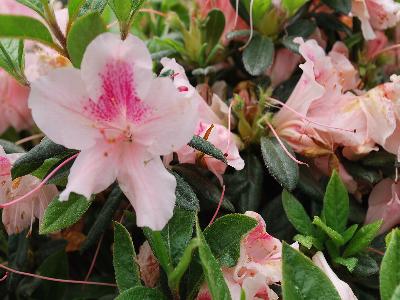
x=204, y=149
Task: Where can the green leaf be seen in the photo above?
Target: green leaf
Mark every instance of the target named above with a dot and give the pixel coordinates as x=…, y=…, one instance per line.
x=379, y=159
x=224, y=236
x=104, y=218
x=26, y=28
x=349, y=262
x=204, y=146
x=91, y=6
x=291, y=6
x=366, y=266
x=306, y=241
x=335, y=211
x=10, y=147
x=396, y=294
x=83, y=31
x=178, y=232
x=296, y=214
x=213, y=274
x=333, y=234
x=213, y=28
x=126, y=269
x=74, y=7
x=35, y=5
x=362, y=238
x=160, y=249
x=303, y=280
x=280, y=166
x=185, y=197
x=389, y=278
x=33, y=159
x=349, y=233
x=122, y=9
x=11, y=58
x=142, y=293
x=342, y=6
x=258, y=55
x=62, y=214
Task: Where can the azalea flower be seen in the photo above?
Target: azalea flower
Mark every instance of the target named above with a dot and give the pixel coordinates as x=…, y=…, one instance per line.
x=210, y=125
x=285, y=63
x=344, y=290
x=21, y=215
x=384, y=204
x=122, y=119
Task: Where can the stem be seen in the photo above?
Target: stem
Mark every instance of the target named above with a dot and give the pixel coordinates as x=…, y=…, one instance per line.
x=52, y=22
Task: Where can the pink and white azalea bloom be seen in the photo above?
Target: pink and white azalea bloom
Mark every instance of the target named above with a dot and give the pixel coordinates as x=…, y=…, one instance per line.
x=384, y=204
x=122, y=119
x=148, y=265
x=376, y=14
x=285, y=62
x=22, y=214
x=374, y=46
x=219, y=135
x=344, y=290
x=14, y=8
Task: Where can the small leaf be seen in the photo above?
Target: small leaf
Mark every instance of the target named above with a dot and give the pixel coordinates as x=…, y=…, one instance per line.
x=291, y=6
x=33, y=159
x=142, y=293
x=214, y=27
x=26, y=28
x=389, y=278
x=333, y=234
x=121, y=8
x=10, y=147
x=185, y=197
x=342, y=6
x=349, y=233
x=296, y=214
x=258, y=55
x=74, y=7
x=335, y=211
x=11, y=53
x=362, y=238
x=224, y=236
x=62, y=214
x=91, y=6
x=84, y=30
x=160, y=249
x=350, y=262
x=306, y=241
x=202, y=145
x=280, y=166
x=302, y=280
x=104, y=218
x=124, y=259
x=213, y=274
x=366, y=266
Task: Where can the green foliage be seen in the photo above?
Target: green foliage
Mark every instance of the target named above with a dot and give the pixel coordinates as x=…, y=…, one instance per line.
x=142, y=293
x=389, y=277
x=342, y=6
x=204, y=146
x=258, y=55
x=280, y=166
x=213, y=28
x=10, y=147
x=292, y=6
x=62, y=214
x=302, y=279
x=12, y=58
x=362, y=238
x=296, y=214
x=185, y=197
x=126, y=269
x=36, y=5
x=83, y=31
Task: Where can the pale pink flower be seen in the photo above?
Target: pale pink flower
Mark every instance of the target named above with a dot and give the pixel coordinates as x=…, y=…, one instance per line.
x=148, y=265
x=285, y=63
x=12, y=7
x=21, y=215
x=219, y=136
x=373, y=47
x=384, y=204
x=344, y=290
x=229, y=12
x=122, y=119
x=376, y=14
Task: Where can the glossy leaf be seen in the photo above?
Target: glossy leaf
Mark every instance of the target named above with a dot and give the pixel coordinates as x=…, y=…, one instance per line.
x=296, y=214
x=389, y=277
x=362, y=238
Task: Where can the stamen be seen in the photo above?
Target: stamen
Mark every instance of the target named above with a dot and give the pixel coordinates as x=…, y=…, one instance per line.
x=153, y=11
x=284, y=147
x=251, y=27
x=390, y=48
x=308, y=120
x=29, y=138
x=219, y=205
x=94, y=258
x=229, y=128
x=41, y=184
x=4, y=277
x=236, y=14
x=54, y=279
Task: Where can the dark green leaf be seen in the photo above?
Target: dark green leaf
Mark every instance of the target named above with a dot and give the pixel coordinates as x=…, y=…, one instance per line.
x=213, y=274
x=366, y=266
x=349, y=233
x=159, y=247
x=224, y=236
x=362, y=173
x=104, y=218
x=122, y=9
x=389, y=278
x=296, y=214
x=126, y=269
x=10, y=147
x=333, y=234
x=178, y=232
x=26, y=28
x=280, y=166
x=36, y=157
x=93, y=6
x=303, y=280
x=213, y=28
x=84, y=30
x=379, y=159
x=74, y=7
x=11, y=53
x=35, y=5
x=142, y=293
x=62, y=214
x=342, y=6
x=185, y=197
x=335, y=211
x=202, y=145
x=258, y=55
x=291, y=6
x=362, y=238
x=301, y=28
